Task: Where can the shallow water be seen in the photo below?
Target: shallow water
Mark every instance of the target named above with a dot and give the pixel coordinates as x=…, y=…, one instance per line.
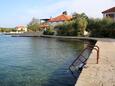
x=37, y=61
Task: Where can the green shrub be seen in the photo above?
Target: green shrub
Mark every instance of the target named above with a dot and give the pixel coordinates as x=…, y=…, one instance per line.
x=34, y=27
x=49, y=32
x=101, y=27
x=72, y=28
x=67, y=29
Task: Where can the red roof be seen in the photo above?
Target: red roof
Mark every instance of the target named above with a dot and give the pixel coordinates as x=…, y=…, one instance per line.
x=61, y=17
x=109, y=10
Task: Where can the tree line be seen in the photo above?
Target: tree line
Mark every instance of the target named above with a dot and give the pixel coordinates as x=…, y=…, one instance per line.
x=95, y=27
x=7, y=29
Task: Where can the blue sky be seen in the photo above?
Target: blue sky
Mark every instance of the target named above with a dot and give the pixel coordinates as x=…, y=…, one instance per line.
x=20, y=12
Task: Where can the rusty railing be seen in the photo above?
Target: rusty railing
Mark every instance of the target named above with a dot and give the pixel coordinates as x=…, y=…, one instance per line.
x=81, y=60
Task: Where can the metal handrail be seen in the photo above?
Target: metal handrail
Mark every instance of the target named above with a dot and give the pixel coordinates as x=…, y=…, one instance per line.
x=97, y=49
x=84, y=62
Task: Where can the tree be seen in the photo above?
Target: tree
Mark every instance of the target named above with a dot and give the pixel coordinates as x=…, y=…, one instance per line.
x=81, y=20
x=2, y=29
x=34, y=27
x=77, y=16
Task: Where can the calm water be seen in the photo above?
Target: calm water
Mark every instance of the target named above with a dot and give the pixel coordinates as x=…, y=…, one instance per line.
x=37, y=61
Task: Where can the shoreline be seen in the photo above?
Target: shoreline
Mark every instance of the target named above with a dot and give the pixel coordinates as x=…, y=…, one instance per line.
x=102, y=74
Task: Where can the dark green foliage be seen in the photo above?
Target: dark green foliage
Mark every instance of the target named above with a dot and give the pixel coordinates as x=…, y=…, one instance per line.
x=67, y=28
x=7, y=29
x=101, y=28
x=49, y=31
x=82, y=15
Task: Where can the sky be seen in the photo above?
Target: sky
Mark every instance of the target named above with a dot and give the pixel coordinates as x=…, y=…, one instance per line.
x=21, y=12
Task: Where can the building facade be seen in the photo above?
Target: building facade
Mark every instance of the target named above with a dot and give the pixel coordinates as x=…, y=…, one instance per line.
x=109, y=13
x=21, y=28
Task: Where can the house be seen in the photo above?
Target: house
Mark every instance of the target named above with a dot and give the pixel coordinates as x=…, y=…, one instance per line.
x=60, y=19
x=109, y=13
x=44, y=24
x=21, y=28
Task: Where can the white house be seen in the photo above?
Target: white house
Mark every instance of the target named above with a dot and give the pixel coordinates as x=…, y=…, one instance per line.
x=21, y=28
x=109, y=13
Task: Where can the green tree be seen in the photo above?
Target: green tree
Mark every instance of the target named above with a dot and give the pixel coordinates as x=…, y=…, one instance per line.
x=34, y=27
x=77, y=16
x=81, y=21
x=2, y=29
x=82, y=24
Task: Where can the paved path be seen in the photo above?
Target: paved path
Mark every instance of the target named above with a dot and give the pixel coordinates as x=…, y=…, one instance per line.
x=102, y=74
